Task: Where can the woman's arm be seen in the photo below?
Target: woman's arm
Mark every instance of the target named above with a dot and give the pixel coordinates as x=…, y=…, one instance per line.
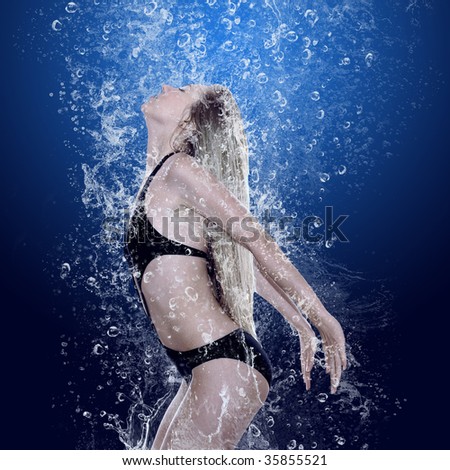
x=268, y=290
x=198, y=188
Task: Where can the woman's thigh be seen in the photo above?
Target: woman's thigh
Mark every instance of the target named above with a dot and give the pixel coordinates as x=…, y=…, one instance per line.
x=169, y=415
x=223, y=398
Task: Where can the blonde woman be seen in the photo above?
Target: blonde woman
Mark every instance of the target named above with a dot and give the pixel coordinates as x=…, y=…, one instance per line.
x=198, y=255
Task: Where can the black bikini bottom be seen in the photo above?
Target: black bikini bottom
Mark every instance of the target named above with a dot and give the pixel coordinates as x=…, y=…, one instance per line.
x=238, y=345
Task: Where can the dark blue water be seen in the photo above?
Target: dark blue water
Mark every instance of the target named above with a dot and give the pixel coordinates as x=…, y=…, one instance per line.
x=345, y=105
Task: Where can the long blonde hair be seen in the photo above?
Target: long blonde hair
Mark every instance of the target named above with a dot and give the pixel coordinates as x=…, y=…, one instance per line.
x=217, y=141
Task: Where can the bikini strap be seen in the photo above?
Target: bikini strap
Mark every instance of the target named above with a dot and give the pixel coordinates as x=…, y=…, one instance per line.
x=153, y=173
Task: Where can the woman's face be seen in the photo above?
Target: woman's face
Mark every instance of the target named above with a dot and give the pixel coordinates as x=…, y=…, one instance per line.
x=171, y=102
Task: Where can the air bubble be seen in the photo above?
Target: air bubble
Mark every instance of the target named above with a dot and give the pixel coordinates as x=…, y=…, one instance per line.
x=87, y=415
x=315, y=96
x=322, y=397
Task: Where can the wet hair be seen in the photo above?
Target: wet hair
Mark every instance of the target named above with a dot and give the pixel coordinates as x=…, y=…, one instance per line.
x=213, y=133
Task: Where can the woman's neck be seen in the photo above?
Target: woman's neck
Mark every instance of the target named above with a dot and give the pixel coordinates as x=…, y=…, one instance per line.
x=158, y=145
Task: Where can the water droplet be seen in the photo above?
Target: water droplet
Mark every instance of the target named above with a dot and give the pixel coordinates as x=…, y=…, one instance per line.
x=256, y=432
x=262, y=78
x=87, y=415
x=228, y=46
x=322, y=397
x=311, y=17
x=317, y=222
x=65, y=270
x=369, y=59
x=270, y=421
x=346, y=61
x=324, y=177
x=306, y=55
x=56, y=25
x=98, y=349
x=340, y=440
x=113, y=331
x=228, y=23
x=71, y=7
x=191, y=293
x=320, y=114
x=252, y=23
x=120, y=396
x=315, y=96
x=150, y=8
x=342, y=169
x=291, y=36
x=346, y=124
x=292, y=444
x=166, y=16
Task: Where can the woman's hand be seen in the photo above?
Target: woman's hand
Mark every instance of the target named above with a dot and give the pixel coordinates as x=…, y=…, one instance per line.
x=308, y=347
x=333, y=347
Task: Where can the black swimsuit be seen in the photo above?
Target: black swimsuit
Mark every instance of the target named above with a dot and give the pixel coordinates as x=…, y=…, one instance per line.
x=144, y=244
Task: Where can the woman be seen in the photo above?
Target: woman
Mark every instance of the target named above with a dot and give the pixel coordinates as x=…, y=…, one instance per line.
x=197, y=256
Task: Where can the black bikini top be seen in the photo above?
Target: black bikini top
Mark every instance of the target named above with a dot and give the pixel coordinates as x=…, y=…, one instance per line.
x=143, y=243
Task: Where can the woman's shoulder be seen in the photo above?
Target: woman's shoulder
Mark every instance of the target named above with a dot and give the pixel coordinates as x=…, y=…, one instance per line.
x=183, y=165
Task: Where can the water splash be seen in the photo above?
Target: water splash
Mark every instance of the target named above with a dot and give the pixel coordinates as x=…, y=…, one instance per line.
x=314, y=123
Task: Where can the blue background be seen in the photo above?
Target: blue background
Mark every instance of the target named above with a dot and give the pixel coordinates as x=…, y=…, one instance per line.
x=406, y=195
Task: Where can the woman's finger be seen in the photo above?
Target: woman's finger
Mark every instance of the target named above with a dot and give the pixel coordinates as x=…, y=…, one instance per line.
x=338, y=369
x=343, y=357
